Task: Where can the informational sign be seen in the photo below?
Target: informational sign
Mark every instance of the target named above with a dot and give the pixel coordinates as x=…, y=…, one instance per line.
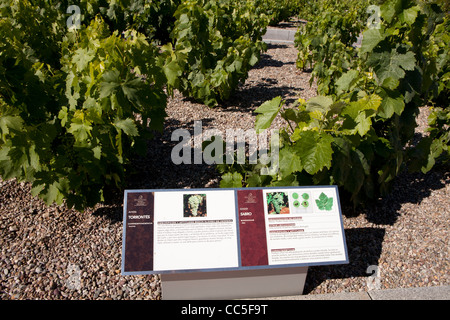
x=190, y=230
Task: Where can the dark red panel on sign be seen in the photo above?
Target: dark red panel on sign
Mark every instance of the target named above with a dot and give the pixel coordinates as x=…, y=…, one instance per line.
x=252, y=228
x=139, y=232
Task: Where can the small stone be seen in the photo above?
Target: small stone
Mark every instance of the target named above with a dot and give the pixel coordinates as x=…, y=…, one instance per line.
x=13, y=229
x=53, y=285
x=122, y=282
x=56, y=292
x=15, y=296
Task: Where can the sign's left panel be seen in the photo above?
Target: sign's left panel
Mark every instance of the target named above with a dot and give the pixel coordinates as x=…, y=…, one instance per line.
x=139, y=224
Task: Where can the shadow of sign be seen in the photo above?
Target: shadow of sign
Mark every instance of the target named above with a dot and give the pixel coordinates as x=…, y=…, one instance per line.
x=364, y=247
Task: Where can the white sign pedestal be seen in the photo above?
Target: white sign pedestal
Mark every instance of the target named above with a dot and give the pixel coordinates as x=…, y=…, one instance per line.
x=239, y=284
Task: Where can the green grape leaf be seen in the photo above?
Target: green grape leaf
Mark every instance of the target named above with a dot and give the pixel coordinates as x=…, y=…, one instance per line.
x=319, y=103
x=371, y=38
x=173, y=71
x=289, y=161
x=371, y=102
x=392, y=103
x=364, y=123
x=80, y=130
x=390, y=83
x=63, y=116
x=267, y=112
x=257, y=180
x=10, y=169
x=315, y=151
x=130, y=89
x=391, y=64
x=253, y=59
x=353, y=109
x=111, y=81
x=345, y=82
x=231, y=180
x=409, y=15
x=127, y=126
x=8, y=122
x=51, y=194
x=290, y=180
x=360, y=113
x=82, y=57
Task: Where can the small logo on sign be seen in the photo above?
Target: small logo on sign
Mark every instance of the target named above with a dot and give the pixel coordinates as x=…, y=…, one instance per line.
x=140, y=201
x=250, y=198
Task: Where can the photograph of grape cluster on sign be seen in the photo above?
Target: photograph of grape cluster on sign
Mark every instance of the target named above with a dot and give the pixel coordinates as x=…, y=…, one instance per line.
x=277, y=203
x=194, y=205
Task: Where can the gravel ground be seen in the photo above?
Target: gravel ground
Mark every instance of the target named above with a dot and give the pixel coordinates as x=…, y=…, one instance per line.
x=51, y=252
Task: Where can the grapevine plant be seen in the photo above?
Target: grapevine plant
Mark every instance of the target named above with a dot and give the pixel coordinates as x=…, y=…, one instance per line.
x=76, y=104
x=69, y=101
x=357, y=132
x=280, y=10
x=152, y=18
x=325, y=44
x=214, y=45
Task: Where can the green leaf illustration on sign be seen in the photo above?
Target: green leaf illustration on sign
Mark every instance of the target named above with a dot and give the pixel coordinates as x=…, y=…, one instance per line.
x=324, y=202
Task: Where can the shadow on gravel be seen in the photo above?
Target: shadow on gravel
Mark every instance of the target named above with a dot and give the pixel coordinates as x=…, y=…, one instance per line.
x=156, y=169
x=248, y=98
x=364, y=247
x=276, y=46
x=407, y=188
x=267, y=61
x=114, y=213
